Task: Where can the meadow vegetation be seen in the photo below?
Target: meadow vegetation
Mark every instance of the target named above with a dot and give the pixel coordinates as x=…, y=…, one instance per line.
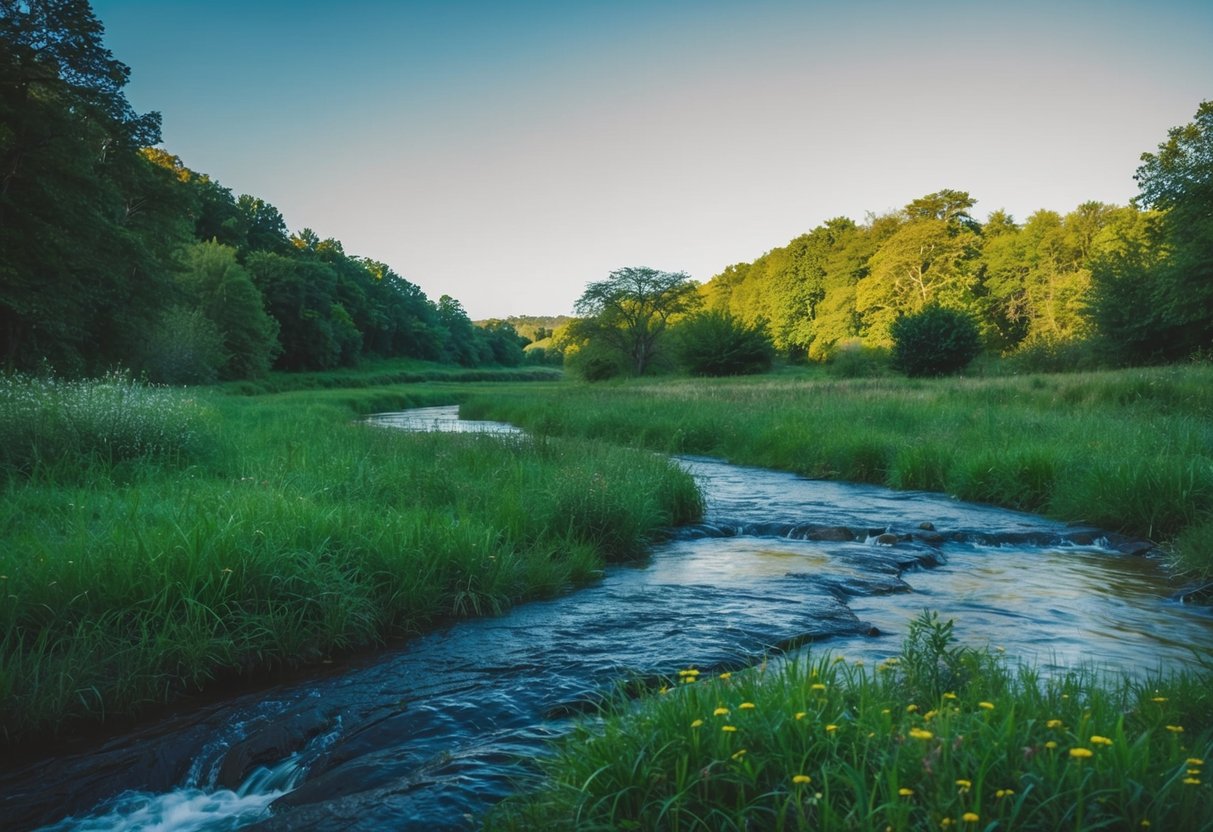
x=939, y=737
x=155, y=540
x=1127, y=450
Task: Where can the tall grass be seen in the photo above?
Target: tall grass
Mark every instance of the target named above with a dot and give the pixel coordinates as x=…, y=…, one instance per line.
x=298, y=535
x=1129, y=450
x=57, y=428
x=939, y=737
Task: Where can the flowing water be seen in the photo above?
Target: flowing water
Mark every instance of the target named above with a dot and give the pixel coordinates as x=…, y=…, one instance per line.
x=429, y=734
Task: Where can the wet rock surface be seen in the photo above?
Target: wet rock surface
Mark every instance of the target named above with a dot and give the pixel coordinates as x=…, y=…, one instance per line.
x=429, y=734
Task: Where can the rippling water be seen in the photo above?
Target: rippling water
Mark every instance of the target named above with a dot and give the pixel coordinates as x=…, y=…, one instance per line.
x=429, y=734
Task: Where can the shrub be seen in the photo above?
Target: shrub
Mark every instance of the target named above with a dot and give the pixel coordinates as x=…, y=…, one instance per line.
x=934, y=342
x=852, y=359
x=717, y=344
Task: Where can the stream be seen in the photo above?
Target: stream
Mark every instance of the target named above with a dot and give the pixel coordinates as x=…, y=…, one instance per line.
x=429, y=734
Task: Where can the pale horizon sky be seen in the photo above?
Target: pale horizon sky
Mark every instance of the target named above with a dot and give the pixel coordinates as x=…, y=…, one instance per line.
x=508, y=153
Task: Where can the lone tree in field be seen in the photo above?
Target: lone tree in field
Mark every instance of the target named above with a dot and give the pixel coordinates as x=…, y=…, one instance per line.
x=630, y=310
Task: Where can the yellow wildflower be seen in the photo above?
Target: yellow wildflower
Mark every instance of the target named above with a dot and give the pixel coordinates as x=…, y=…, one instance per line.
x=720, y=712
x=817, y=686
x=801, y=714
x=691, y=672
x=697, y=723
x=1054, y=723
x=1195, y=761
x=904, y=792
x=746, y=706
x=1050, y=744
x=989, y=706
x=1191, y=781
x=1081, y=753
x=800, y=779
x=911, y=709
x=1193, y=772
x=738, y=754
x=946, y=822
x=929, y=715
x=728, y=729
x=970, y=817
x=949, y=696
x=831, y=729
x=919, y=734
x=1159, y=699
x=965, y=785
x=687, y=680
x=838, y=659
x=1004, y=792
x=726, y=676
x=1175, y=729
x=1098, y=740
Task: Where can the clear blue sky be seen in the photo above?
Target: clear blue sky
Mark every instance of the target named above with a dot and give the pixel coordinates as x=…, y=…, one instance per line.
x=508, y=153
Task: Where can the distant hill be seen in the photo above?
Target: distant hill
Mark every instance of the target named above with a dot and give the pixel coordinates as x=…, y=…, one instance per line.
x=532, y=327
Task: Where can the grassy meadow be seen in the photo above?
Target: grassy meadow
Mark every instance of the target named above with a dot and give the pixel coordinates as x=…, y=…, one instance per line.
x=940, y=737
x=1128, y=450
x=156, y=541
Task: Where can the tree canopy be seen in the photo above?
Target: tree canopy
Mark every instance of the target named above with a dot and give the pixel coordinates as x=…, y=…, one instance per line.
x=115, y=252
x=630, y=311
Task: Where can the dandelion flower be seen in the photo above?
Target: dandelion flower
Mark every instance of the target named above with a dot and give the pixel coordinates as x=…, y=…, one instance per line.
x=697, y=723
x=1195, y=761
x=1175, y=729
x=818, y=686
x=931, y=714
x=965, y=785
x=919, y=734
x=1050, y=744
x=1081, y=753
x=989, y=706
x=1004, y=792
x=746, y=706
x=720, y=712
x=801, y=714
x=728, y=729
x=1193, y=772
x=1054, y=723
x=1098, y=740
x=904, y=792
x=949, y=696
x=738, y=754
x=1191, y=781
x=726, y=676
x=911, y=709
x=801, y=779
x=831, y=729
x=970, y=817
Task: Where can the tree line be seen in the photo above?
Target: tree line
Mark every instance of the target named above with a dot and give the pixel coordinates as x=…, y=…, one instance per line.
x=1133, y=283
x=1100, y=285
x=116, y=253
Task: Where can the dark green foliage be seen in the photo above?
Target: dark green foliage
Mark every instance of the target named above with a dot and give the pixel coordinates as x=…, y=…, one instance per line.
x=934, y=342
x=718, y=344
x=1153, y=297
x=184, y=346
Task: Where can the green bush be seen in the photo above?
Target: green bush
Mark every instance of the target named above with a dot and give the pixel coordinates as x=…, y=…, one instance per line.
x=934, y=342
x=718, y=344
x=851, y=359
